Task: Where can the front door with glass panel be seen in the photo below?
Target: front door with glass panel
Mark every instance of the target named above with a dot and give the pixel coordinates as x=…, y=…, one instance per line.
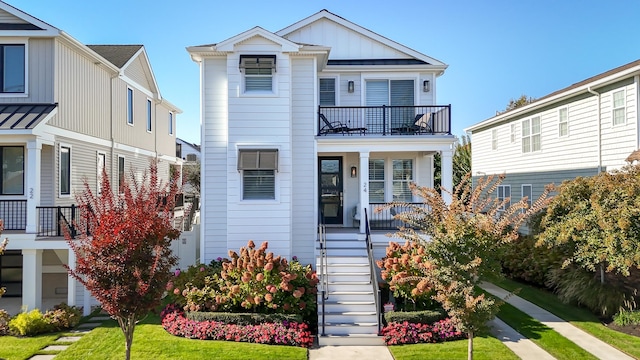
x=331, y=192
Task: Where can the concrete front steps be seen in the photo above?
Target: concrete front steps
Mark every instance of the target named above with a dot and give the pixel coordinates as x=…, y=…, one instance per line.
x=349, y=309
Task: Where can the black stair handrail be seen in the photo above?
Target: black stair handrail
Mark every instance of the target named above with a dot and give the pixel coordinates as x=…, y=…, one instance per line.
x=324, y=278
x=372, y=270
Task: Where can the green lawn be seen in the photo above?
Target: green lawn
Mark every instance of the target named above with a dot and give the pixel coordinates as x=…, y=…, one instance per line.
x=579, y=317
x=151, y=341
x=485, y=348
x=15, y=348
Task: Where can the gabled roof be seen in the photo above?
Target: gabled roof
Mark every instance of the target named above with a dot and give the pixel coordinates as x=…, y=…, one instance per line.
x=325, y=14
x=229, y=44
x=584, y=86
x=118, y=55
x=18, y=23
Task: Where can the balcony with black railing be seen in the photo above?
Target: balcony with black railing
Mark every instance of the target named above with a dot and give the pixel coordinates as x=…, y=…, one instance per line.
x=384, y=120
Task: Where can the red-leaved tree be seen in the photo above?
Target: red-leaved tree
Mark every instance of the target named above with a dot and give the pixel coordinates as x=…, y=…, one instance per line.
x=123, y=256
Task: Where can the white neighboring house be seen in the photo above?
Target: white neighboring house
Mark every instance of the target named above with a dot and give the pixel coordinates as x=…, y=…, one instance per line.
x=309, y=126
x=67, y=111
x=581, y=130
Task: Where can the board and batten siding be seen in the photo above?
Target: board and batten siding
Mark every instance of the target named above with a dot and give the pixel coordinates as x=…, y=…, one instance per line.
x=303, y=158
x=8, y=18
x=82, y=92
x=264, y=122
x=137, y=72
x=40, y=74
x=215, y=92
x=135, y=135
x=165, y=143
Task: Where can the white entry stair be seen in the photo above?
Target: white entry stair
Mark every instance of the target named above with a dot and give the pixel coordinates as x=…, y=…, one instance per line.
x=350, y=316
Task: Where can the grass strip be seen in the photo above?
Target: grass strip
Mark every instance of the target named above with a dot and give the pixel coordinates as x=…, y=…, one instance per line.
x=22, y=348
x=484, y=348
x=579, y=317
x=151, y=341
x=555, y=344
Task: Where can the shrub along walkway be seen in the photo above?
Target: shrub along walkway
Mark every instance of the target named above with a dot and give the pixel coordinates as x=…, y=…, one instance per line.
x=595, y=346
x=63, y=342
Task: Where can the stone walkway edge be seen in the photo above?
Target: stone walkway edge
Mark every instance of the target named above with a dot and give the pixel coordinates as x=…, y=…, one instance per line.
x=78, y=332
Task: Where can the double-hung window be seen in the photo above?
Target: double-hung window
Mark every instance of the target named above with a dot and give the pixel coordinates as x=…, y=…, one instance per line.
x=531, y=135
x=100, y=170
x=504, y=193
x=526, y=192
x=327, y=92
x=376, y=180
x=65, y=170
x=12, y=63
x=258, y=72
x=402, y=176
x=619, y=116
x=514, y=128
x=12, y=170
x=258, y=169
x=120, y=174
x=494, y=139
x=563, y=122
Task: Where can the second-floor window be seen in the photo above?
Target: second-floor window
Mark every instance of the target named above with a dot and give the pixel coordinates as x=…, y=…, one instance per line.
x=619, y=117
x=494, y=139
x=563, y=122
x=13, y=68
x=65, y=170
x=258, y=72
x=170, y=123
x=148, y=115
x=130, y=106
x=327, y=92
x=531, y=135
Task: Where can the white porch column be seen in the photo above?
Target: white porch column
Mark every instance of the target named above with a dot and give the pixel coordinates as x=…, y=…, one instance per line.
x=364, y=188
x=71, y=282
x=32, y=278
x=446, y=175
x=34, y=149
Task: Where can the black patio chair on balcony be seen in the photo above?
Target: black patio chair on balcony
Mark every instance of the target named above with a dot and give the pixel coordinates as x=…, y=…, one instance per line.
x=337, y=127
x=420, y=125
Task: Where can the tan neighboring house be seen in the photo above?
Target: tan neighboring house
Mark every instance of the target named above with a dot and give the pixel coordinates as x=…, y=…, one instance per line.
x=67, y=111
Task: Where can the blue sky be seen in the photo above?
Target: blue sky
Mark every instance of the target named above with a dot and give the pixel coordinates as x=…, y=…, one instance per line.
x=496, y=50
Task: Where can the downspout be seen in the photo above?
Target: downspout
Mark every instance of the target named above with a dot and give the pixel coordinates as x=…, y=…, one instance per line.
x=599, y=145
x=113, y=142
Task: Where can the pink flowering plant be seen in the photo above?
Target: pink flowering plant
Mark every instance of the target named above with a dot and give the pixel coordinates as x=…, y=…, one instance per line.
x=396, y=333
x=285, y=333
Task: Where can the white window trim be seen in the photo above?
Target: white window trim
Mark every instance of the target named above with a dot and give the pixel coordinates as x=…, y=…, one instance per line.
x=566, y=121
x=494, y=139
x=67, y=146
x=276, y=181
x=514, y=132
x=98, y=172
x=336, y=92
x=503, y=187
x=9, y=41
x=531, y=134
x=149, y=116
x=624, y=107
x=133, y=107
x=388, y=174
x=530, y=199
x=258, y=93
x=171, y=131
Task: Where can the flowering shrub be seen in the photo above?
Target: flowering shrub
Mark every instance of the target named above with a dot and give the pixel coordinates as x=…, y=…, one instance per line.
x=63, y=317
x=252, y=281
x=285, y=333
x=411, y=333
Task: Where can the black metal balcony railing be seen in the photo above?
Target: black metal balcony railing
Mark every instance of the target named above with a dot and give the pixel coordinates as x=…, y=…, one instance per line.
x=14, y=214
x=384, y=120
x=55, y=220
x=383, y=219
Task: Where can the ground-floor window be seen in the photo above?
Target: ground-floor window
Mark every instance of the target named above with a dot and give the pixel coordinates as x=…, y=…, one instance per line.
x=258, y=169
x=12, y=170
x=390, y=187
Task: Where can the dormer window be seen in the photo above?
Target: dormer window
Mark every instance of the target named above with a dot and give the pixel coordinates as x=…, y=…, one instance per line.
x=258, y=72
x=12, y=68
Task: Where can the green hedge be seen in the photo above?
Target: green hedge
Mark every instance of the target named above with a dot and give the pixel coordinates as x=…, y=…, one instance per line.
x=242, y=318
x=417, y=317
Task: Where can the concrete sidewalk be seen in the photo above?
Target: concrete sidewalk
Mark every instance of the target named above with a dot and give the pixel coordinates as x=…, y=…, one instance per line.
x=524, y=348
x=350, y=352
x=595, y=346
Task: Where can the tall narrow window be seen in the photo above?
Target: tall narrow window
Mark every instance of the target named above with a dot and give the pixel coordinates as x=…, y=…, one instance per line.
x=504, y=192
x=258, y=72
x=120, y=174
x=327, y=92
x=170, y=123
x=148, y=115
x=12, y=170
x=619, y=116
x=514, y=135
x=376, y=180
x=65, y=170
x=129, y=106
x=531, y=135
x=100, y=170
x=526, y=192
x=12, y=63
x=402, y=176
x=563, y=122
x=494, y=139
x=258, y=173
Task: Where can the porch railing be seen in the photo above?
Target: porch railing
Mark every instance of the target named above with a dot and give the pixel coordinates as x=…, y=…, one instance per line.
x=385, y=120
x=14, y=214
x=372, y=269
x=383, y=219
x=54, y=220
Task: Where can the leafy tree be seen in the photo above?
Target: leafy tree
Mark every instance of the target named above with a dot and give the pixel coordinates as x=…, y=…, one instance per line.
x=3, y=246
x=461, y=160
x=519, y=102
x=463, y=238
x=125, y=262
x=192, y=176
x=599, y=218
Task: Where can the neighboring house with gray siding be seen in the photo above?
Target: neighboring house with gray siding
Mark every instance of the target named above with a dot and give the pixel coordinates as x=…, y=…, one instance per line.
x=67, y=111
x=581, y=130
x=310, y=126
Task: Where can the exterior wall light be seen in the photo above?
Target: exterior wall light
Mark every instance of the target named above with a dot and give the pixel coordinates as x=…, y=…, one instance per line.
x=354, y=171
x=426, y=86
x=350, y=86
